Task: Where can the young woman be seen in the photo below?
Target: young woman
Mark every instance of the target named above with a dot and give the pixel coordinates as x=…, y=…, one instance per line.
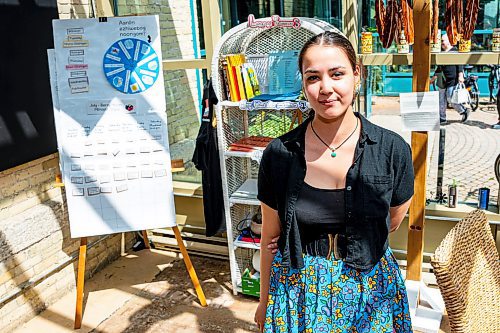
x=332, y=189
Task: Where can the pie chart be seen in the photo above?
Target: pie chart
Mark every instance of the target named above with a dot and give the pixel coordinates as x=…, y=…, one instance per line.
x=131, y=65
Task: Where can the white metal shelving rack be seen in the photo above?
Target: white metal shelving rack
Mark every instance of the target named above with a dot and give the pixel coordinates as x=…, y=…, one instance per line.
x=236, y=120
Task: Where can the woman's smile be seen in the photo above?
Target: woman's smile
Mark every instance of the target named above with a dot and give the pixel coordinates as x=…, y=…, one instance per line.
x=328, y=102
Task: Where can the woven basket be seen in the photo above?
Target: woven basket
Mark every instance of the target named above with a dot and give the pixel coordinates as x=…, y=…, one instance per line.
x=467, y=269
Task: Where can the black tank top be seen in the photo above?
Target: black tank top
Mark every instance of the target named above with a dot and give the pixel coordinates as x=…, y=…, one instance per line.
x=319, y=212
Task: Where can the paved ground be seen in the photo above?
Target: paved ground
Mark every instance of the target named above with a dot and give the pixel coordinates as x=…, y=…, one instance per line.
x=164, y=303
x=470, y=148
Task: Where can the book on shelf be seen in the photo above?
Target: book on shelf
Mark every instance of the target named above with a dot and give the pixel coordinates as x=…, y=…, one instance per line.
x=246, y=82
x=225, y=77
x=234, y=62
x=250, y=143
x=252, y=75
x=241, y=85
x=240, y=78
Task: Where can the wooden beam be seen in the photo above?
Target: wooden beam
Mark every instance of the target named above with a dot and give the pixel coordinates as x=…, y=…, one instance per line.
x=445, y=58
x=421, y=72
x=350, y=21
x=211, y=27
x=174, y=64
x=104, y=8
x=189, y=267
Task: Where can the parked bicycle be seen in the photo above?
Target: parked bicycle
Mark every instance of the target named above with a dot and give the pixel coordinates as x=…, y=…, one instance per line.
x=470, y=82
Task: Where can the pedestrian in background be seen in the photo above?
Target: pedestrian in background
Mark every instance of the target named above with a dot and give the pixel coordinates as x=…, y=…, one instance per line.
x=448, y=76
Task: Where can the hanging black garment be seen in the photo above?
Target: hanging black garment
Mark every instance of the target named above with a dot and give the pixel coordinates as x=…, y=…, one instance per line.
x=206, y=159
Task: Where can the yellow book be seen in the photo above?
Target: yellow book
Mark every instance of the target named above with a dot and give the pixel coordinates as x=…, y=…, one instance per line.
x=241, y=85
x=232, y=80
x=253, y=78
x=246, y=82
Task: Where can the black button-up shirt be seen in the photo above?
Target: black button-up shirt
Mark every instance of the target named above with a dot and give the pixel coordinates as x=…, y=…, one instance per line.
x=380, y=177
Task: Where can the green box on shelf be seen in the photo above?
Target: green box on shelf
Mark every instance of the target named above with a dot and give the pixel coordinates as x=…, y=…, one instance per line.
x=249, y=284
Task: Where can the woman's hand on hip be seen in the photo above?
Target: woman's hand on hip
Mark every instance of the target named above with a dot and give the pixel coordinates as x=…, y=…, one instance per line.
x=273, y=245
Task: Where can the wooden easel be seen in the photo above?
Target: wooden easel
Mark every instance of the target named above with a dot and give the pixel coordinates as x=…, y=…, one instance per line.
x=422, y=319
x=80, y=281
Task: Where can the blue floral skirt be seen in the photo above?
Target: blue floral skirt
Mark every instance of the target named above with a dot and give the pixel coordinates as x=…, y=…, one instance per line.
x=330, y=296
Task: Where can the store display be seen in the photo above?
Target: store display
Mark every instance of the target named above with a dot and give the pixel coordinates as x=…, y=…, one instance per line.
x=454, y=20
x=436, y=44
x=495, y=43
x=403, y=46
x=470, y=18
x=435, y=31
x=366, y=42
x=464, y=45
x=248, y=126
x=460, y=23
x=388, y=21
x=407, y=21
x=395, y=22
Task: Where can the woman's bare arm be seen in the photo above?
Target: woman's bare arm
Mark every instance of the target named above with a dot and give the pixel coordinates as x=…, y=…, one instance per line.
x=398, y=214
x=271, y=228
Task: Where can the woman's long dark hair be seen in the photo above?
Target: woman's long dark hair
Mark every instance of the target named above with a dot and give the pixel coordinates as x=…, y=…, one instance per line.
x=330, y=38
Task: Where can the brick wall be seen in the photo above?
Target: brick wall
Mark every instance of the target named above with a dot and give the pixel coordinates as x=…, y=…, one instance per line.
x=298, y=8
x=38, y=259
x=181, y=90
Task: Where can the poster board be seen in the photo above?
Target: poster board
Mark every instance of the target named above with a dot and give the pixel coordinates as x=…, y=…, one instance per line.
x=111, y=125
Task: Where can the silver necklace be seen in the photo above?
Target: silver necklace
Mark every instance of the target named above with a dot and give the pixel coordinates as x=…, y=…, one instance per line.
x=333, y=149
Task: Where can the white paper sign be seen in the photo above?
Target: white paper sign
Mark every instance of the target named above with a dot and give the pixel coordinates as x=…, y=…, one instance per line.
x=112, y=125
x=419, y=111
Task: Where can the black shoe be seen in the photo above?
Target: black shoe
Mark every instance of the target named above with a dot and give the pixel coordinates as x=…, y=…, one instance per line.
x=465, y=115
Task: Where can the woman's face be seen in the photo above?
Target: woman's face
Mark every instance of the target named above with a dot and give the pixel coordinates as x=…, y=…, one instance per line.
x=329, y=80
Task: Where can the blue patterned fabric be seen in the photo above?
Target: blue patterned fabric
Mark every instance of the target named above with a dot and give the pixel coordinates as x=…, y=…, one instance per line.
x=329, y=296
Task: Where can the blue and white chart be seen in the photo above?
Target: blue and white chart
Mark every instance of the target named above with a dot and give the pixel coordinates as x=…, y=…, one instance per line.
x=111, y=124
x=131, y=65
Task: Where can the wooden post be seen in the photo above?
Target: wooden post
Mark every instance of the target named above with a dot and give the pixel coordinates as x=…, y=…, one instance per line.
x=421, y=72
x=80, y=282
x=146, y=239
x=189, y=267
x=211, y=28
x=350, y=21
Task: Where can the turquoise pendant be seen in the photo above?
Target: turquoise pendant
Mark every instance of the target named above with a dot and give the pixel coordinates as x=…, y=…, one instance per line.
x=333, y=154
